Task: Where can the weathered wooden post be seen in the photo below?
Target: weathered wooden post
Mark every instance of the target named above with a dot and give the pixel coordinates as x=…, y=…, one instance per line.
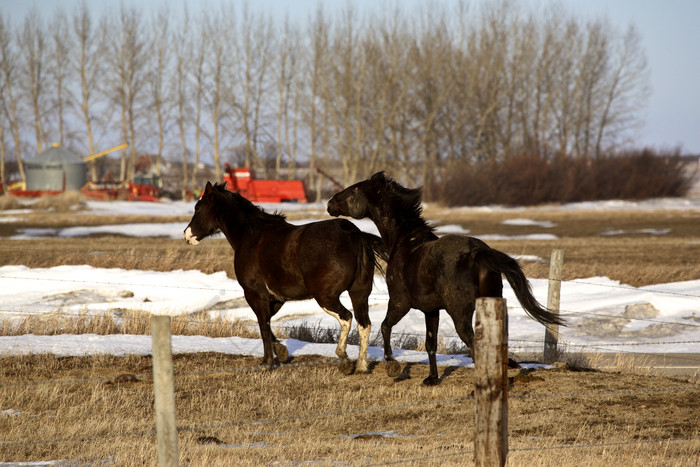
x=491, y=382
x=551, y=334
x=164, y=389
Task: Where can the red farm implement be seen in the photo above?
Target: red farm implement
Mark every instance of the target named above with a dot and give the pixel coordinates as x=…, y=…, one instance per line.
x=243, y=181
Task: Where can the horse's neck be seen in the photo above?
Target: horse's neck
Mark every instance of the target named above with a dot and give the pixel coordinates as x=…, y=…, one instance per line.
x=235, y=225
x=394, y=233
x=241, y=228
x=233, y=230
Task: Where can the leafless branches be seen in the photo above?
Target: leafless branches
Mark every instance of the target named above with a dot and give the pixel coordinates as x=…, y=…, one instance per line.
x=411, y=91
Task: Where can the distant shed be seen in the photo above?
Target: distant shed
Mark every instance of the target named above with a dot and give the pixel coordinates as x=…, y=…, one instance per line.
x=55, y=169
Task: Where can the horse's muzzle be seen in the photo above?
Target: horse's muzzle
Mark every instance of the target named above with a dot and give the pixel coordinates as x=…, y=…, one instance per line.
x=189, y=238
x=332, y=208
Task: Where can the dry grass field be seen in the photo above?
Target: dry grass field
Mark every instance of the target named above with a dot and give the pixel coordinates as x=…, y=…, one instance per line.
x=229, y=412
x=100, y=409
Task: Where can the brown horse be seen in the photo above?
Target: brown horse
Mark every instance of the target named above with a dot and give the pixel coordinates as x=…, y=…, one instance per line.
x=430, y=273
x=276, y=261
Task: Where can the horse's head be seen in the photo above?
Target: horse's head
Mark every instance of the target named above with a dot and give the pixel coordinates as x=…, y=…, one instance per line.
x=355, y=200
x=205, y=221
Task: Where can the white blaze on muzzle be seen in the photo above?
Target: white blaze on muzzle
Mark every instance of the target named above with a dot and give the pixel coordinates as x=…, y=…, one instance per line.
x=189, y=238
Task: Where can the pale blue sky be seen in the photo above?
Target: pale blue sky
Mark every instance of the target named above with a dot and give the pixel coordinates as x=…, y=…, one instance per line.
x=669, y=31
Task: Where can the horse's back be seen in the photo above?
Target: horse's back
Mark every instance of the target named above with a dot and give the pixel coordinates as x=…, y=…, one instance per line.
x=447, y=266
x=335, y=248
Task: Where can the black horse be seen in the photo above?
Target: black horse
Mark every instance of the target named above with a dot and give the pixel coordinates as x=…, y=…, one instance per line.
x=430, y=273
x=276, y=261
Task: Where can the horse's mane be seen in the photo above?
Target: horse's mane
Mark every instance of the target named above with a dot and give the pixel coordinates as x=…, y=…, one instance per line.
x=256, y=215
x=406, y=204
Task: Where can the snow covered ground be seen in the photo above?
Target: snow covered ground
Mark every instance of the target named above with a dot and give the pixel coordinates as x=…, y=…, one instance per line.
x=604, y=315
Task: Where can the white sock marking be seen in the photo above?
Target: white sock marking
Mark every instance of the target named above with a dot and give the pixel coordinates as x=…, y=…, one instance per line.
x=344, y=332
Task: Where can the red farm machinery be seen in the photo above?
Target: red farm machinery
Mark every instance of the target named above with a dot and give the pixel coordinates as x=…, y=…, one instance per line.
x=243, y=181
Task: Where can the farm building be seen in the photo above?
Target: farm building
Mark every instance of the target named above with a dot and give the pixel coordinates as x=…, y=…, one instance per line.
x=55, y=169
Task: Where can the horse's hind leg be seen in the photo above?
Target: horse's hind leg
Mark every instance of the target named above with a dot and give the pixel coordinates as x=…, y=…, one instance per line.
x=336, y=309
x=395, y=312
x=361, y=309
x=432, y=320
x=461, y=310
x=264, y=309
x=279, y=348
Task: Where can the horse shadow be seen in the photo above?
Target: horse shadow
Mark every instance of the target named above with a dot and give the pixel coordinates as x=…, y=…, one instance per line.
x=406, y=373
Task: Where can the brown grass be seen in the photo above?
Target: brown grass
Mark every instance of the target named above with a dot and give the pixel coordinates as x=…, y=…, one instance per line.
x=101, y=408
x=131, y=322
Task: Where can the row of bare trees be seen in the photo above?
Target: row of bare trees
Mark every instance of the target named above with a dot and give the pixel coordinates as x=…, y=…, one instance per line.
x=412, y=91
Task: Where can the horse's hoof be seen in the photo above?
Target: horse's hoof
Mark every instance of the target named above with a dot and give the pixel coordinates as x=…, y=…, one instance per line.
x=270, y=365
x=281, y=352
x=431, y=381
x=346, y=367
x=513, y=364
x=393, y=368
x=361, y=368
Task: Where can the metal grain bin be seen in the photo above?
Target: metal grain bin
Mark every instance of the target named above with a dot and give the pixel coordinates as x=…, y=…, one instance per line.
x=55, y=169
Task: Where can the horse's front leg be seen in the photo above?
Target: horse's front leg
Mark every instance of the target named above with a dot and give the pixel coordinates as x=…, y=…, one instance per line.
x=432, y=320
x=269, y=358
x=280, y=349
x=395, y=312
x=262, y=307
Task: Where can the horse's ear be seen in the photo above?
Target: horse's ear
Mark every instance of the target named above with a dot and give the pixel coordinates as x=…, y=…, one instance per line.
x=379, y=176
x=207, y=188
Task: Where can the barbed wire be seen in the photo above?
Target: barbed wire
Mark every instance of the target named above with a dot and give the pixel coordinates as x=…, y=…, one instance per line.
x=625, y=287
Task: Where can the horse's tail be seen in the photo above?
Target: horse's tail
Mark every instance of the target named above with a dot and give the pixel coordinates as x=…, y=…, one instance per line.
x=499, y=262
x=376, y=249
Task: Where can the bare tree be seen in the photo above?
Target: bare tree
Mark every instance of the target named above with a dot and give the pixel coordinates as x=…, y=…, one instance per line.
x=393, y=90
x=318, y=33
x=217, y=69
x=256, y=41
x=624, y=93
x=128, y=58
x=284, y=78
x=159, y=68
x=9, y=58
x=88, y=67
x=348, y=76
x=60, y=69
x=181, y=91
x=197, y=74
x=414, y=91
x=33, y=47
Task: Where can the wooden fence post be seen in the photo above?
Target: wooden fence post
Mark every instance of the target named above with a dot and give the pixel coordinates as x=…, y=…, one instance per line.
x=551, y=334
x=164, y=389
x=491, y=382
